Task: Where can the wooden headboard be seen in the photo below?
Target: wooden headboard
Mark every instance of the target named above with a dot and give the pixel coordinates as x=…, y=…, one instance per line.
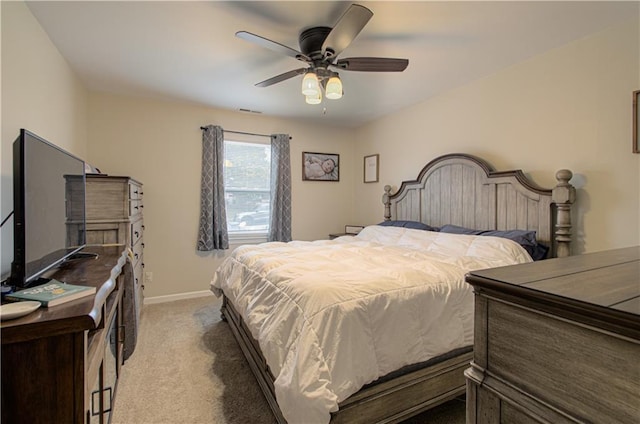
x=464, y=190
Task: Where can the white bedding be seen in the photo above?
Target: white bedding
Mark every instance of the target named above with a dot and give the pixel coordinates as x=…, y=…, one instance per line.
x=331, y=316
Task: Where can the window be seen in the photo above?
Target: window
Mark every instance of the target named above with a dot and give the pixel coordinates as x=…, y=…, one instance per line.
x=247, y=192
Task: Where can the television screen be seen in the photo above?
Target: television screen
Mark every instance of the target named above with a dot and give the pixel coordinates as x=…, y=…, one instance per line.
x=49, y=209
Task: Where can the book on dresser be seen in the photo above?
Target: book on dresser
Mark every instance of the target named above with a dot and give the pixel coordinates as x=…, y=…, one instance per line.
x=52, y=293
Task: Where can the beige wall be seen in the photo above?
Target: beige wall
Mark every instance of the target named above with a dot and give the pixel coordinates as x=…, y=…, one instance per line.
x=568, y=108
x=39, y=93
x=159, y=143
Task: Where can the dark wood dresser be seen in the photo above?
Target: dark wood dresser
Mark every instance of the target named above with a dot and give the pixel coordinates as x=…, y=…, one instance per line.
x=61, y=364
x=557, y=341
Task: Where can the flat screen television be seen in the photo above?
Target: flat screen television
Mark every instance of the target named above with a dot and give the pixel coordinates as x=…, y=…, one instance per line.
x=48, y=206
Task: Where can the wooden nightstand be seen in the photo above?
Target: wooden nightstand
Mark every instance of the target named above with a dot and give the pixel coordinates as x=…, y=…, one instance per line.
x=349, y=230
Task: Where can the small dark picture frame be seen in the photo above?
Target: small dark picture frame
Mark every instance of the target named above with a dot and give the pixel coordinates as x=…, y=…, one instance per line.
x=636, y=121
x=371, y=163
x=320, y=166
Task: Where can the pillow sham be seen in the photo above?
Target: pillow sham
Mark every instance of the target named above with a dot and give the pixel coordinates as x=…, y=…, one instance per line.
x=415, y=225
x=525, y=238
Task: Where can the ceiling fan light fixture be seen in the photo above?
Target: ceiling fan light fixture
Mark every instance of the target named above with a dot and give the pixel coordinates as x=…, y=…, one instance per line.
x=310, y=84
x=333, y=90
x=320, y=47
x=314, y=100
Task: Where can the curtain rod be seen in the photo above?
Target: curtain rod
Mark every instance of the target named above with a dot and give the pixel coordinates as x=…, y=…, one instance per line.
x=245, y=133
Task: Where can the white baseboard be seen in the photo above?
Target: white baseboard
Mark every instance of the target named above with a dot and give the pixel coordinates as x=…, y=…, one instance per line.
x=179, y=296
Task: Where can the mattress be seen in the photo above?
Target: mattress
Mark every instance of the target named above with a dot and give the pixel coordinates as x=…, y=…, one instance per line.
x=333, y=315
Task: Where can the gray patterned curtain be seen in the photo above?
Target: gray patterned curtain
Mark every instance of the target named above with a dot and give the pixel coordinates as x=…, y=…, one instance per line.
x=213, y=216
x=280, y=228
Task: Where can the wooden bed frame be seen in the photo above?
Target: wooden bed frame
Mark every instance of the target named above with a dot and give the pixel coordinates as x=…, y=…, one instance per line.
x=456, y=189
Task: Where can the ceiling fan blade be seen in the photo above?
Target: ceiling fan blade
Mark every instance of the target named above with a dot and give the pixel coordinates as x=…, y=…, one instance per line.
x=281, y=77
x=272, y=45
x=372, y=64
x=346, y=29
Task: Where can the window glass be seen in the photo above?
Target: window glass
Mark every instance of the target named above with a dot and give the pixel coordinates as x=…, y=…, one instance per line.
x=247, y=173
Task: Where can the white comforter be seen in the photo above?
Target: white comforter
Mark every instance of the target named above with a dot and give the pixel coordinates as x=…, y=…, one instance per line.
x=331, y=316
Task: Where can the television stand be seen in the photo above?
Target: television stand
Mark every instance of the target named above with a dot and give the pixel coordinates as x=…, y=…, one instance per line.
x=61, y=364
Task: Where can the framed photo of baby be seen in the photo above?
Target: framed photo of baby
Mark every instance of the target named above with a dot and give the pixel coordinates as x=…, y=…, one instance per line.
x=320, y=166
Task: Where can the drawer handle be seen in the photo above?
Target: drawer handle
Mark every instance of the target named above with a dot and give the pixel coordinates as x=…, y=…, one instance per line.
x=143, y=245
x=135, y=207
x=136, y=255
x=141, y=206
x=136, y=233
x=143, y=227
x=135, y=192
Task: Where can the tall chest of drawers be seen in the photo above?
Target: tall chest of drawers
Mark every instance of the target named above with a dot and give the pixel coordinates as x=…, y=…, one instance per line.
x=114, y=215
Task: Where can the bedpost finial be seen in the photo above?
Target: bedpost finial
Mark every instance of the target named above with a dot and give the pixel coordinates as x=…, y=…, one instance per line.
x=563, y=195
x=387, y=192
x=387, y=203
x=563, y=176
x=564, y=192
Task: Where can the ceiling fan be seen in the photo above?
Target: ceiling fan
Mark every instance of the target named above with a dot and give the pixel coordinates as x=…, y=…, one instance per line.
x=319, y=49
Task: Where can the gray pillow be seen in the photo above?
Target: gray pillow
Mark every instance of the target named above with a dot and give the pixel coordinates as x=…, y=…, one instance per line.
x=525, y=238
x=409, y=224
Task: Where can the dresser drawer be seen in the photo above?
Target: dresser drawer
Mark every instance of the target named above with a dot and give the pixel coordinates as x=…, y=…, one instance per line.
x=135, y=208
x=137, y=252
x=137, y=227
x=539, y=353
x=135, y=191
x=138, y=276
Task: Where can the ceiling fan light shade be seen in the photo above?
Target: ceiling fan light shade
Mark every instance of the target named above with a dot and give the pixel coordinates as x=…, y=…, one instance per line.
x=310, y=85
x=333, y=90
x=314, y=100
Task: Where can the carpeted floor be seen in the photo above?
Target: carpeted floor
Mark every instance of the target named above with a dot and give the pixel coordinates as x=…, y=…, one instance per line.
x=188, y=369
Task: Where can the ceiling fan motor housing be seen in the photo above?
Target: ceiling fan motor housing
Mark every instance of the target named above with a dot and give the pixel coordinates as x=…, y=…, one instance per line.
x=311, y=41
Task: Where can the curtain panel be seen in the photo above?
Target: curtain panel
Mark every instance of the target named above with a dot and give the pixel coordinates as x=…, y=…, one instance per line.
x=213, y=217
x=280, y=225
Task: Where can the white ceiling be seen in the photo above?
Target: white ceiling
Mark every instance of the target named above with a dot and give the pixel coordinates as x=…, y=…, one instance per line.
x=187, y=50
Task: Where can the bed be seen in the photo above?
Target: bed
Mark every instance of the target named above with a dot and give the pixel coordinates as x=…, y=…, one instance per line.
x=377, y=328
